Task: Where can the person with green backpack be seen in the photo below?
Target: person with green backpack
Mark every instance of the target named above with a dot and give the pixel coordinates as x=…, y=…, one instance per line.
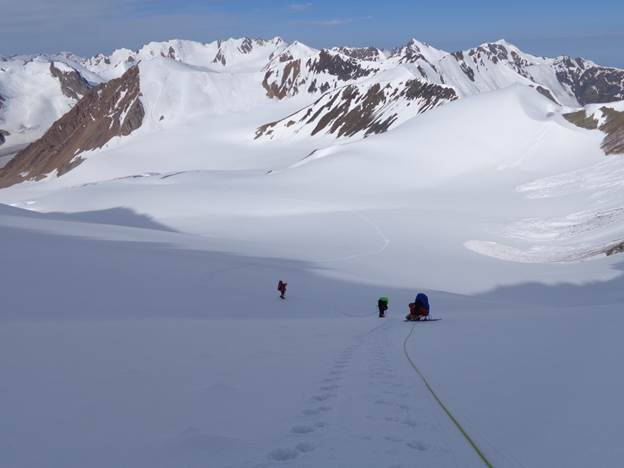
x=382, y=305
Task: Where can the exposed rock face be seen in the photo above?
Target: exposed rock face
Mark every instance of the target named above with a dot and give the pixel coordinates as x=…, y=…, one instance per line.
x=591, y=84
x=497, y=53
x=247, y=46
x=2, y=100
x=412, y=52
x=362, y=109
x=3, y=135
x=336, y=65
x=294, y=71
x=614, y=250
x=370, y=54
x=547, y=93
x=220, y=58
x=613, y=126
x=73, y=84
x=288, y=83
x=581, y=119
x=469, y=72
x=106, y=111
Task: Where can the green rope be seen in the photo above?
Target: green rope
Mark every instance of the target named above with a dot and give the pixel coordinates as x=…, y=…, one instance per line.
x=443, y=406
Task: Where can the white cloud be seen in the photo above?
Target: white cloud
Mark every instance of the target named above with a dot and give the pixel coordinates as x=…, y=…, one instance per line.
x=335, y=22
x=299, y=6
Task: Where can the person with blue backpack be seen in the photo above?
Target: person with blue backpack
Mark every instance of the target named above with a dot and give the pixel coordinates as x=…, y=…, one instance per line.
x=419, y=309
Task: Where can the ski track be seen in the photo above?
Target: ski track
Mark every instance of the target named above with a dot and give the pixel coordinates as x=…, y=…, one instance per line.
x=393, y=423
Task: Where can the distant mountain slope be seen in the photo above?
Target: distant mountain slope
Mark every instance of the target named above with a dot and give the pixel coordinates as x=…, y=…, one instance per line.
x=232, y=55
x=301, y=69
x=109, y=110
x=366, y=108
x=486, y=68
x=36, y=91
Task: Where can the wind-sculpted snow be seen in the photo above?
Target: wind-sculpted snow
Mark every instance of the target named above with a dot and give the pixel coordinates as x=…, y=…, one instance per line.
x=570, y=238
x=572, y=235
x=605, y=176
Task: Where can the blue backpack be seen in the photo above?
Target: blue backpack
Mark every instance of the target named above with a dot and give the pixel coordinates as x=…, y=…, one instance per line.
x=423, y=300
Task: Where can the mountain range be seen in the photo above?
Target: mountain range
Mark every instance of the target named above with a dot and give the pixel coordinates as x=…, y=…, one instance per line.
x=56, y=108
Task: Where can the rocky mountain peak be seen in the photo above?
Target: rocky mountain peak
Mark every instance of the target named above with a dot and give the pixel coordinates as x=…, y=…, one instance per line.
x=370, y=54
x=588, y=82
x=416, y=51
x=73, y=85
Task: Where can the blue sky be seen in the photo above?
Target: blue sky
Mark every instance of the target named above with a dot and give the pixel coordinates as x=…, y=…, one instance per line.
x=591, y=29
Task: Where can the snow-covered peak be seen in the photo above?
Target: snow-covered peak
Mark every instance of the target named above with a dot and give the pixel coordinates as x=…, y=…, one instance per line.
x=504, y=43
x=295, y=51
x=234, y=54
x=197, y=91
x=415, y=51
x=34, y=92
x=248, y=53
x=111, y=66
x=426, y=48
x=495, y=51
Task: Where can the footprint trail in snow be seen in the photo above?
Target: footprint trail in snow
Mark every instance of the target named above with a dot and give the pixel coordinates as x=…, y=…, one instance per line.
x=369, y=410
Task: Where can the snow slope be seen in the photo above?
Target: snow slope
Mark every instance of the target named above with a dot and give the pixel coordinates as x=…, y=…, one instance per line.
x=186, y=357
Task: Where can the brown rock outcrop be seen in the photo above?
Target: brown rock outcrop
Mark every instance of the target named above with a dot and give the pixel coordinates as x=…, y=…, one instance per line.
x=106, y=111
x=613, y=126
